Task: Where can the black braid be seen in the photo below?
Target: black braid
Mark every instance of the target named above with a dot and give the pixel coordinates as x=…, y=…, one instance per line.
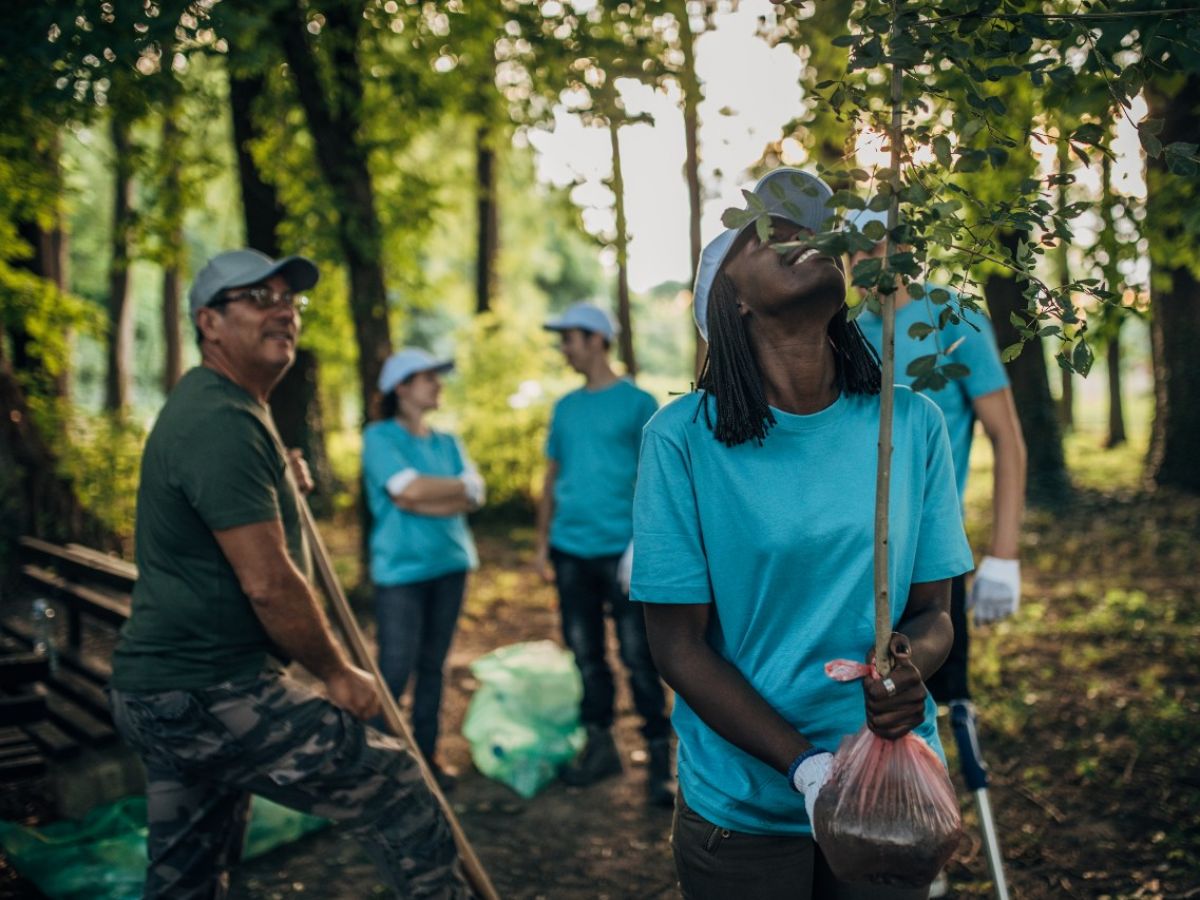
x=858, y=369
x=732, y=377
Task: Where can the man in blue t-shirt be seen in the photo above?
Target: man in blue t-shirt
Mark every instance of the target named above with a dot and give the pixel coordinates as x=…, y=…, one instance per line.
x=982, y=394
x=584, y=527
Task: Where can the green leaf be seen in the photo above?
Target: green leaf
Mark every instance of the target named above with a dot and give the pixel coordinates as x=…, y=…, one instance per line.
x=941, y=147
x=1011, y=352
x=919, y=330
x=939, y=295
x=955, y=370
x=1088, y=134
x=762, y=227
x=777, y=189
x=916, y=290
x=735, y=217
x=847, y=200
x=875, y=230
x=1081, y=358
x=855, y=311
x=922, y=365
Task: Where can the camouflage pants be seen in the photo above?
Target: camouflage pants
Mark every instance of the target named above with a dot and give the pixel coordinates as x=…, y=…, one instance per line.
x=206, y=751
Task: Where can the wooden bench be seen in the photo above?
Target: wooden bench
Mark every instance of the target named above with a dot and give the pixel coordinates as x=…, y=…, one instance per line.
x=53, y=712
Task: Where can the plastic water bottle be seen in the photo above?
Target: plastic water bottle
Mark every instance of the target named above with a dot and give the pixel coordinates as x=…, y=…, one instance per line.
x=43, y=632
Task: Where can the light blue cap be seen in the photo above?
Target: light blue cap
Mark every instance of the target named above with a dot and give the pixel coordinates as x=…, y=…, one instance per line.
x=241, y=268
x=405, y=363
x=788, y=193
x=586, y=317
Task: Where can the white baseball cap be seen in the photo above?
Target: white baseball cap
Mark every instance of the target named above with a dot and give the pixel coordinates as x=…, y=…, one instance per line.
x=405, y=363
x=788, y=193
x=585, y=317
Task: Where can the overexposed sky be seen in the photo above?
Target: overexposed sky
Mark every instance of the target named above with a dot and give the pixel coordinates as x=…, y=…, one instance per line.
x=751, y=90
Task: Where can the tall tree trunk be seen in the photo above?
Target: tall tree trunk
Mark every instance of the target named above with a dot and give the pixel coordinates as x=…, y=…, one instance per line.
x=624, y=317
x=1066, y=403
x=1047, y=479
x=487, y=223
x=296, y=400
x=692, y=91
x=120, y=304
x=1111, y=317
x=334, y=120
x=172, y=283
x=1116, y=414
x=261, y=209
x=1174, y=297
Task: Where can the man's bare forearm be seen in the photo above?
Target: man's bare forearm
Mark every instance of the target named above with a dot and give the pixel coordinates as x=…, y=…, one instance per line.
x=296, y=624
x=1008, y=495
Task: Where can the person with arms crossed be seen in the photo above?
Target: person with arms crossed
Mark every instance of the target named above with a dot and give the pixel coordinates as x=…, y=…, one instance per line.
x=754, y=528
x=584, y=526
x=420, y=484
x=223, y=597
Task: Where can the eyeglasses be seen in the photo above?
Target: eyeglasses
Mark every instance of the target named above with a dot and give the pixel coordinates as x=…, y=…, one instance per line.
x=262, y=297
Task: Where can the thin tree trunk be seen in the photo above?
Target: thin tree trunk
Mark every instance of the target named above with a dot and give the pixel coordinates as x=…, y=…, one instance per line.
x=1066, y=403
x=172, y=283
x=334, y=121
x=1047, y=479
x=296, y=400
x=1111, y=317
x=1174, y=300
x=487, y=219
x=692, y=91
x=624, y=318
x=120, y=304
x=1116, y=415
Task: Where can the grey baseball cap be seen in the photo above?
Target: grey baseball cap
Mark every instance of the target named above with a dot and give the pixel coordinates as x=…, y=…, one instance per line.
x=239, y=268
x=585, y=317
x=788, y=193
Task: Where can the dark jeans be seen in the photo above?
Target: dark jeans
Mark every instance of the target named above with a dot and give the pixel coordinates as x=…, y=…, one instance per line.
x=416, y=624
x=950, y=681
x=587, y=589
x=715, y=863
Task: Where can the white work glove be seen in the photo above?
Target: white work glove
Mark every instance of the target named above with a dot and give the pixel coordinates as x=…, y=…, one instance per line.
x=625, y=568
x=476, y=489
x=996, y=592
x=809, y=777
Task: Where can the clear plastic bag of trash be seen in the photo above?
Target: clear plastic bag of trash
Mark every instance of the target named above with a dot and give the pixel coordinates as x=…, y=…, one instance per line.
x=888, y=813
x=523, y=721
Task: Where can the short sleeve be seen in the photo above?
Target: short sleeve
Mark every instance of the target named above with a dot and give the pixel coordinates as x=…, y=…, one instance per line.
x=669, y=564
x=381, y=458
x=647, y=407
x=979, y=353
x=942, y=548
x=229, y=471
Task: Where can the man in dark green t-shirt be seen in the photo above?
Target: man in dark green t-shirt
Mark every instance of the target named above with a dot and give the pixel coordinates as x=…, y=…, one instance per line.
x=223, y=596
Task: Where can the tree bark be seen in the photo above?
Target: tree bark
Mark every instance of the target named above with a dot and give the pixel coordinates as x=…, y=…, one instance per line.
x=334, y=120
x=120, y=304
x=487, y=219
x=1116, y=414
x=692, y=91
x=296, y=400
x=1066, y=402
x=1174, y=298
x=172, y=283
x=1047, y=479
x=624, y=317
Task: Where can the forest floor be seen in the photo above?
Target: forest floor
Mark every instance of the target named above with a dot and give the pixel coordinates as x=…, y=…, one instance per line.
x=1088, y=719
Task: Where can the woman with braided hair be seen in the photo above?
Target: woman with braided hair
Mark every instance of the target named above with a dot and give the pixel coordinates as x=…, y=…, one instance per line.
x=754, y=523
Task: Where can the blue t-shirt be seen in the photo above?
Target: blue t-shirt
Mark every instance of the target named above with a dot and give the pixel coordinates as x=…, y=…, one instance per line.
x=406, y=546
x=594, y=437
x=977, y=352
x=780, y=539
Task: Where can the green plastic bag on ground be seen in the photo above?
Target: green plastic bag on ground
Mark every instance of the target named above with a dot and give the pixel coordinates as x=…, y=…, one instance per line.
x=523, y=722
x=103, y=857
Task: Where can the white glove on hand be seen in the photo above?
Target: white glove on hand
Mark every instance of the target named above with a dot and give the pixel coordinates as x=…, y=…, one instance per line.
x=810, y=776
x=476, y=489
x=996, y=592
x=625, y=568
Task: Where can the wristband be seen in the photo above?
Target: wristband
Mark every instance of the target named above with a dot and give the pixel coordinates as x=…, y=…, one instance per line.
x=807, y=754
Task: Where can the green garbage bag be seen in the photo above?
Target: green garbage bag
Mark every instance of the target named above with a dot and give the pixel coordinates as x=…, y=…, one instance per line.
x=103, y=857
x=523, y=722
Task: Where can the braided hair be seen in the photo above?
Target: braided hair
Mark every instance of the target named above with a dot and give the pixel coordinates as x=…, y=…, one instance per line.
x=732, y=377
